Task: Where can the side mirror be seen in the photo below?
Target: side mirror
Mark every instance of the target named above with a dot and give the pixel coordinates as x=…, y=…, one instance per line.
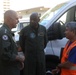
x=56, y=31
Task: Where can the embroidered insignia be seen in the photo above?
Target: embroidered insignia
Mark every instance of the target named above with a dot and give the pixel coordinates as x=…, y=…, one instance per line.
x=32, y=35
x=5, y=37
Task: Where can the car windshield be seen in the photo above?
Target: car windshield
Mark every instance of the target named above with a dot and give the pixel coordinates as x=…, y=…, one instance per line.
x=50, y=13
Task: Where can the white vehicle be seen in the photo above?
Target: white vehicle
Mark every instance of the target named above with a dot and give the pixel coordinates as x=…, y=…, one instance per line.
x=54, y=20
x=55, y=25
x=22, y=23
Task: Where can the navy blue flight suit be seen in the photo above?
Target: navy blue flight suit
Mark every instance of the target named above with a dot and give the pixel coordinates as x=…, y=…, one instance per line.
x=33, y=43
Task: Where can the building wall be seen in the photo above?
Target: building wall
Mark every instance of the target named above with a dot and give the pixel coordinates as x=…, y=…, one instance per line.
x=26, y=13
x=6, y=5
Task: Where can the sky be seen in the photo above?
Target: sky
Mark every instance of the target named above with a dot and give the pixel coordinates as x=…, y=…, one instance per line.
x=26, y=4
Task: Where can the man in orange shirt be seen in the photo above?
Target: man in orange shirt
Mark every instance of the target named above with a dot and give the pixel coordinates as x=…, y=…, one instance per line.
x=68, y=60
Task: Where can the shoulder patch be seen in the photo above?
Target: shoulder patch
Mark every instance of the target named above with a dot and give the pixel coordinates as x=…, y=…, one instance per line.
x=5, y=37
x=32, y=35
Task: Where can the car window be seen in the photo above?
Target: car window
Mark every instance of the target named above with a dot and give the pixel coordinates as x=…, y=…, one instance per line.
x=50, y=13
x=22, y=25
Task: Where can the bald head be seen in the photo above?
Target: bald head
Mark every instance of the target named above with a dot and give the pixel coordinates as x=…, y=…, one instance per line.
x=34, y=20
x=9, y=13
x=11, y=18
x=34, y=16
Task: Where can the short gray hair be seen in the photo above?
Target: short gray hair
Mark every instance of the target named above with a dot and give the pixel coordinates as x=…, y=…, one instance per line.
x=71, y=26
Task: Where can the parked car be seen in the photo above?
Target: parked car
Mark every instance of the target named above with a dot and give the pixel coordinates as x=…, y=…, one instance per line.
x=22, y=23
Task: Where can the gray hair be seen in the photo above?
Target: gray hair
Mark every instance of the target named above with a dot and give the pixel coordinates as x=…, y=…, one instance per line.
x=71, y=26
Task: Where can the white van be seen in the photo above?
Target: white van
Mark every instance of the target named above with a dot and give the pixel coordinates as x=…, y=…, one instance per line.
x=55, y=25
x=54, y=20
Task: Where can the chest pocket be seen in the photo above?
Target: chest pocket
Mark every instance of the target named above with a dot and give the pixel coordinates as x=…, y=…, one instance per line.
x=41, y=36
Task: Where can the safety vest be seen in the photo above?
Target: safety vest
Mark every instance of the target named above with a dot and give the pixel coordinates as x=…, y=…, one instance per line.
x=67, y=49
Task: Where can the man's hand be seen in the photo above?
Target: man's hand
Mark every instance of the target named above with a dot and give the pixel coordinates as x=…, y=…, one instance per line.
x=55, y=71
x=21, y=65
x=20, y=58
